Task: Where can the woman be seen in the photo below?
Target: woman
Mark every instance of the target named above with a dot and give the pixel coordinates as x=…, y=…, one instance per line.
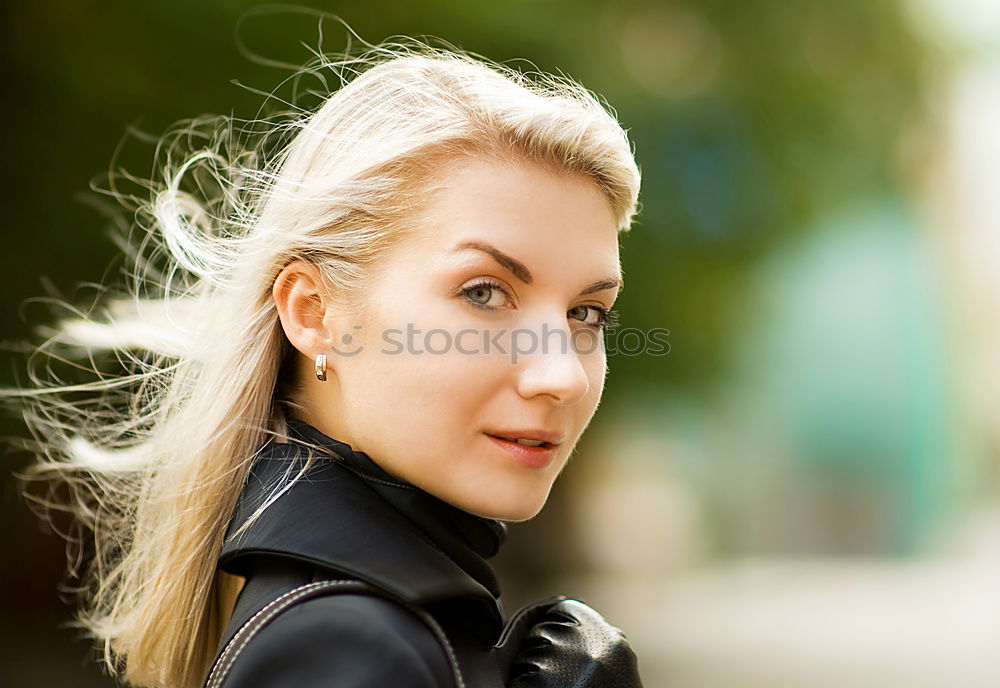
x=372, y=336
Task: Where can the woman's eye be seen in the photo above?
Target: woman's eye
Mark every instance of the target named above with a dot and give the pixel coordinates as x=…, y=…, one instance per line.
x=485, y=294
x=594, y=316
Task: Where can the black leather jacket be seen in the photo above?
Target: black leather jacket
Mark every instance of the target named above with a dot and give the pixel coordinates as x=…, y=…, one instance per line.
x=347, y=518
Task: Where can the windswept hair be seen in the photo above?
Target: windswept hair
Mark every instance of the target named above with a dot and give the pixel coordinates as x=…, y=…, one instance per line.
x=154, y=455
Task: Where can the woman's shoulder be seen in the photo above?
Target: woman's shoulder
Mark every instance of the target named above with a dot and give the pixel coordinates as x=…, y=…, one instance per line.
x=363, y=641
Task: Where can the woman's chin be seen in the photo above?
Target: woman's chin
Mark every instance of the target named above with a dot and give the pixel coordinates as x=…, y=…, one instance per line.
x=519, y=508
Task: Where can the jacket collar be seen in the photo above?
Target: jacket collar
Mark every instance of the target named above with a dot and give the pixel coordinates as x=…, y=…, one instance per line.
x=350, y=516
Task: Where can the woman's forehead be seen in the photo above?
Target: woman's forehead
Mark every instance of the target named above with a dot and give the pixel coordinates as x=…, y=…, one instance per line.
x=520, y=206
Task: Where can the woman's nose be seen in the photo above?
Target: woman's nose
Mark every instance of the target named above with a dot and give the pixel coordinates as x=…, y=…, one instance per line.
x=549, y=364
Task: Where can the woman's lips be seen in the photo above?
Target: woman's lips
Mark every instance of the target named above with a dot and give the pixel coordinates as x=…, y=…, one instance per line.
x=532, y=457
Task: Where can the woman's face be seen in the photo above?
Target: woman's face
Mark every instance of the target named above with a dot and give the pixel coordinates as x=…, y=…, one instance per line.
x=483, y=323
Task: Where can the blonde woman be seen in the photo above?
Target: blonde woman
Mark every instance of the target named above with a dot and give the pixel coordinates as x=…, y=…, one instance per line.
x=360, y=339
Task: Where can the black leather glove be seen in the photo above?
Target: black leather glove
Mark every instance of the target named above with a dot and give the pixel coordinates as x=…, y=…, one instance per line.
x=572, y=646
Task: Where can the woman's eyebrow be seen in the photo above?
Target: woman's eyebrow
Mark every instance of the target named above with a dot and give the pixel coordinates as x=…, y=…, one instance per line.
x=518, y=269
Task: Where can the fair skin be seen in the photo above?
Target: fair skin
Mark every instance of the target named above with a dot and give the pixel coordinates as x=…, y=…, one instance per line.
x=426, y=417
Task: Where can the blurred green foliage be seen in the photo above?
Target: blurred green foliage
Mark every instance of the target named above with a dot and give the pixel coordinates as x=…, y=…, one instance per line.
x=749, y=120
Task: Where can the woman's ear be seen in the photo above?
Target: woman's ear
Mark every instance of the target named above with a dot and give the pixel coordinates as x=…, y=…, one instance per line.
x=303, y=304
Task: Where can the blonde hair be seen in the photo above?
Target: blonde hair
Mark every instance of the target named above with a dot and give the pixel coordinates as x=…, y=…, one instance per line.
x=156, y=456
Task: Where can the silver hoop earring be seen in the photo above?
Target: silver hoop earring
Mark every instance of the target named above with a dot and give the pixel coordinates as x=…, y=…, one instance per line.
x=321, y=367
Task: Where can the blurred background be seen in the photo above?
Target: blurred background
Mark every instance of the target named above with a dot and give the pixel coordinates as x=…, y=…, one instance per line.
x=804, y=490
